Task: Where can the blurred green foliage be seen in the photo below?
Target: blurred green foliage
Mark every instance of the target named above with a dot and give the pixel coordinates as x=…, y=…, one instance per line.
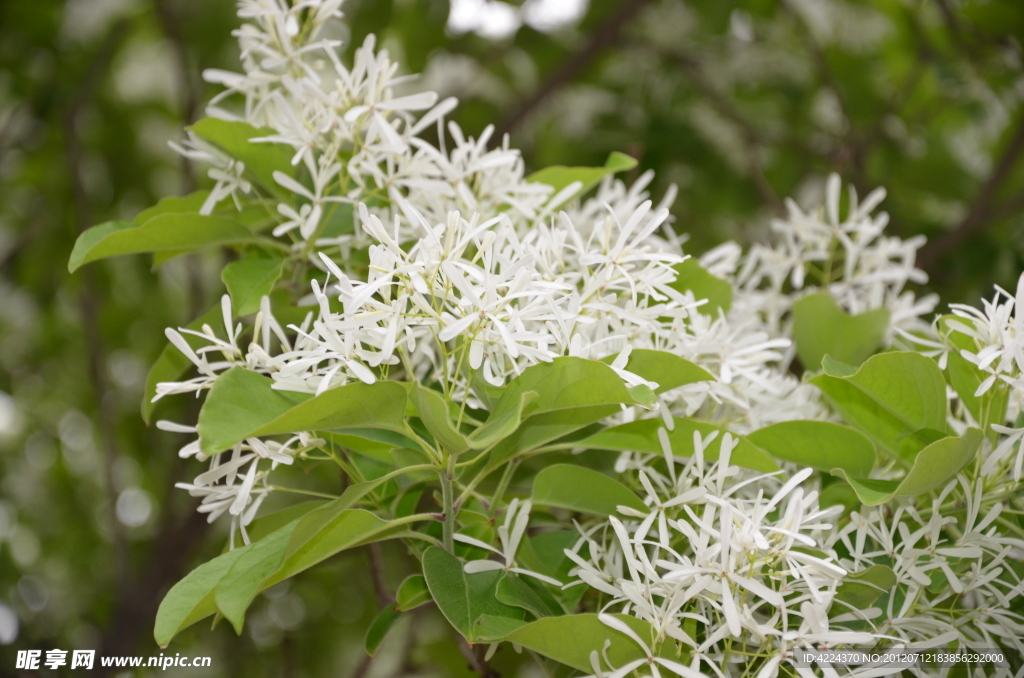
x=738, y=103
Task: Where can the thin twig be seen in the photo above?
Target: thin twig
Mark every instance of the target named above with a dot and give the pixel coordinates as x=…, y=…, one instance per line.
x=364, y=667
x=380, y=586
x=605, y=36
x=474, y=656
x=753, y=138
x=983, y=211
x=89, y=301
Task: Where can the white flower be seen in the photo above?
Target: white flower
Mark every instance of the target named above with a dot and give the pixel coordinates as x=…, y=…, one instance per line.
x=510, y=534
x=651, y=662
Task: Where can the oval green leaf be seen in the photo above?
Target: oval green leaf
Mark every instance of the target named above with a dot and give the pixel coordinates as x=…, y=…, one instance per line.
x=642, y=436
x=584, y=490
x=821, y=327
x=818, y=444
x=890, y=398
x=175, y=232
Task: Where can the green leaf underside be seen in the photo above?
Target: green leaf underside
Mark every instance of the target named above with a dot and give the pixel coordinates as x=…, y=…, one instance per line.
x=584, y=490
x=379, y=629
x=890, y=398
x=264, y=525
x=464, y=598
x=821, y=327
x=642, y=436
x=690, y=275
x=170, y=365
x=570, y=639
x=666, y=369
x=239, y=586
x=191, y=599
x=818, y=444
x=230, y=582
x=248, y=281
x=560, y=176
x=412, y=593
x=242, y=404
x=934, y=466
x=860, y=590
x=163, y=233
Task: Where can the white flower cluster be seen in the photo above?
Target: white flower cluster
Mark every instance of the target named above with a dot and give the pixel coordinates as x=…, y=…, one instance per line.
x=720, y=563
x=458, y=267
x=994, y=336
x=742, y=572
x=849, y=256
x=957, y=591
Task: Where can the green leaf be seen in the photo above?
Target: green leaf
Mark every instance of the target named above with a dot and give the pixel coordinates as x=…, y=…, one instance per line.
x=690, y=275
x=315, y=539
x=242, y=404
x=463, y=598
x=516, y=592
x=965, y=377
x=666, y=369
x=164, y=233
x=261, y=159
x=570, y=639
x=559, y=176
x=642, y=436
x=818, y=444
x=890, y=398
x=584, y=490
x=174, y=204
x=412, y=593
x=249, y=280
x=379, y=628
x=541, y=429
x=934, y=466
x=264, y=525
x=571, y=393
x=568, y=383
x=432, y=409
x=503, y=421
x=297, y=547
x=191, y=599
x=170, y=365
x=240, y=584
x=544, y=553
x=821, y=327
x=861, y=589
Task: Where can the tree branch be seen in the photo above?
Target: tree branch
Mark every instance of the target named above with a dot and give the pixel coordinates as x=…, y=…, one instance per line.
x=982, y=212
x=753, y=138
x=380, y=587
x=188, y=89
x=89, y=302
x=607, y=35
x=474, y=656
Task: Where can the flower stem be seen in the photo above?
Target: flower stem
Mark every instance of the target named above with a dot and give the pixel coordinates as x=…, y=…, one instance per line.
x=447, y=475
x=506, y=477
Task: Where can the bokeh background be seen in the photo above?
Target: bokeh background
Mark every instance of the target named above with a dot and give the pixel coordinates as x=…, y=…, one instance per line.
x=741, y=104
